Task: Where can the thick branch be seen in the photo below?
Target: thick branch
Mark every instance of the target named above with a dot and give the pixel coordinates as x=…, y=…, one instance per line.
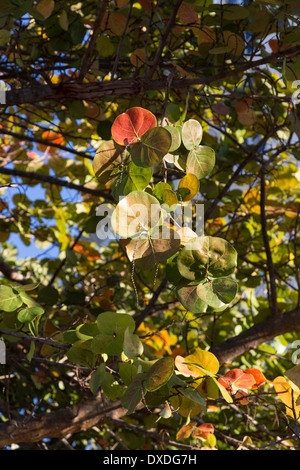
x=127, y=87
x=57, y=424
x=256, y=335
x=10, y=273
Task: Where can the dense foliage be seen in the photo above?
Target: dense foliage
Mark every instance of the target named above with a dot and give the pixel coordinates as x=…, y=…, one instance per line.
x=117, y=117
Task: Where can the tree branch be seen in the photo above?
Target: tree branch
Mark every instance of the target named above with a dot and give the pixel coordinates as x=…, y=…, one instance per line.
x=127, y=87
x=256, y=335
x=271, y=268
x=57, y=424
x=53, y=180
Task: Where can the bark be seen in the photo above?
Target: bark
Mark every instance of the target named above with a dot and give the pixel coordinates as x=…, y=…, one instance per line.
x=58, y=424
x=256, y=335
x=127, y=87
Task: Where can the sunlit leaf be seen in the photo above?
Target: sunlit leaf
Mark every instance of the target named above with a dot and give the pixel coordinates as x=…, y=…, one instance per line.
x=191, y=134
x=188, y=187
x=135, y=213
x=235, y=379
x=128, y=127
x=200, y=161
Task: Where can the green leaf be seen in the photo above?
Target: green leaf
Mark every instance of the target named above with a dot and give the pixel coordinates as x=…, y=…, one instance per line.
x=187, y=295
x=152, y=147
x=112, y=327
x=107, y=161
x=217, y=292
x=133, y=394
x=158, y=246
x=207, y=256
x=80, y=354
x=28, y=314
x=134, y=178
x=201, y=161
x=132, y=346
x=159, y=374
x=10, y=299
x=102, y=379
x=127, y=372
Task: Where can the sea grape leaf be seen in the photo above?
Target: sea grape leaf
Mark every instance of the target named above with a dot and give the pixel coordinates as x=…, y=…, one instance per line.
x=134, y=178
x=191, y=134
x=152, y=147
x=159, y=374
x=217, y=292
x=158, y=246
x=28, y=314
x=10, y=299
x=235, y=379
x=200, y=161
x=129, y=127
x=132, y=345
x=188, y=187
x=211, y=256
x=112, y=327
x=186, y=292
x=107, y=160
x=138, y=211
x=175, y=137
x=134, y=393
x=202, y=360
x=194, y=396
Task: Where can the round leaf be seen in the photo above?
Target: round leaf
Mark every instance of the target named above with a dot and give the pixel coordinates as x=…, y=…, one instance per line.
x=188, y=187
x=152, y=147
x=128, y=127
x=159, y=374
x=200, y=161
x=107, y=161
x=9, y=299
x=211, y=256
x=137, y=212
x=191, y=134
x=175, y=137
x=187, y=295
x=28, y=314
x=146, y=252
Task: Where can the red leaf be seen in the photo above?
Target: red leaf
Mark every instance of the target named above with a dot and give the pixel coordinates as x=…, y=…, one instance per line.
x=203, y=431
x=258, y=376
x=131, y=125
x=235, y=379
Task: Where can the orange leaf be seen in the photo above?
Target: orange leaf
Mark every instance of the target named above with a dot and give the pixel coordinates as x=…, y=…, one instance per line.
x=258, y=376
x=203, y=431
x=235, y=379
